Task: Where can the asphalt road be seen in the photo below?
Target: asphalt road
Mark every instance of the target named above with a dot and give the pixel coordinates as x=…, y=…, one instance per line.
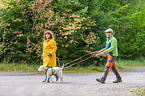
x=78, y=84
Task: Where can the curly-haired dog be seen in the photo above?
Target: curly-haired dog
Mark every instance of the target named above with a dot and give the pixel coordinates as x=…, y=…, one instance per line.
x=51, y=71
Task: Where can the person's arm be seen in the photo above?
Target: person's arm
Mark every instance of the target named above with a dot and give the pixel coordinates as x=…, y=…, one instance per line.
x=101, y=50
x=113, y=45
x=42, y=57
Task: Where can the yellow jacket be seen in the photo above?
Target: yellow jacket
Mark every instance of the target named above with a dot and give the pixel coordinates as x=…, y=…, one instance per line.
x=49, y=47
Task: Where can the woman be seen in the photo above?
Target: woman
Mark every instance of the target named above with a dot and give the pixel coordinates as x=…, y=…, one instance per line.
x=49, y=52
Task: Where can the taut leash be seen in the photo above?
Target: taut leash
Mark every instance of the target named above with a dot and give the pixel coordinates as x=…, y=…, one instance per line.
x=79, y=61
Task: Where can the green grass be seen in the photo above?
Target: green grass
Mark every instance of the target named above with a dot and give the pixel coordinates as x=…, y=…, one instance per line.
x=89, y=69
x=140, y=92
x=120, y=63
x=15, y=67
x=129, y=64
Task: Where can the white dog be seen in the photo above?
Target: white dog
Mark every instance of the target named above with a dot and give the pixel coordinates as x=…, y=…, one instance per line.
x=52, y=71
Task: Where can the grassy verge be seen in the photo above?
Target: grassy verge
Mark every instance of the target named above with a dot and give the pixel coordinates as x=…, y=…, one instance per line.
x=15, y=67
x=89, y=69
x=140, y=92
x=121, y=65
x=129, y=64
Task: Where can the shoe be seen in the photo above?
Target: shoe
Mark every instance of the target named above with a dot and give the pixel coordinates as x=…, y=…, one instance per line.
x=48, y=81
x=117, y=81
x=56, y=77
x=102, y=80
x=44, y=81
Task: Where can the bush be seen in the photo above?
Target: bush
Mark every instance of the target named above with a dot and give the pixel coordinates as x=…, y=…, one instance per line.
x=78, y=28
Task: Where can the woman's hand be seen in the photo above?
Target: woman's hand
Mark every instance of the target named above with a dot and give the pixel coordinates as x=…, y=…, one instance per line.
x=49, y=54
x=41, y=57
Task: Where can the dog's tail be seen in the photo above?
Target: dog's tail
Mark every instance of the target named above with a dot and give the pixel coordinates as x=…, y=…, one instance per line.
x=62, y=66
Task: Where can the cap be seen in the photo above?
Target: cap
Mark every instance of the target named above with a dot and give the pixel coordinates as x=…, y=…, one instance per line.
x=109, y=30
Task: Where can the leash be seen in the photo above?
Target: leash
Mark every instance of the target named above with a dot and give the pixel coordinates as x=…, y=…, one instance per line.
x=79, y=61
x=58, y=63
x=75, y=59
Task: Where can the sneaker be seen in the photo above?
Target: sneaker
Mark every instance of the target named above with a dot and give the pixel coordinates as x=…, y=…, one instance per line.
x=117, y=81
x=102, y=80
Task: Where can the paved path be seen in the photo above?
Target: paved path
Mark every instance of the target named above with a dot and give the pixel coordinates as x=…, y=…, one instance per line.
x=78, y=84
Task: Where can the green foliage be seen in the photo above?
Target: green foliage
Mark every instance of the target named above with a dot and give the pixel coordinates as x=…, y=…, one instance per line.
x=130, y=31
x=129, y=64
x=78, y=26
x=19, y=67
x=25, y=30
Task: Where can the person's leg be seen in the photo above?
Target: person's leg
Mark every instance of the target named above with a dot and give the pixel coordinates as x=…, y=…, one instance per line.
x=46, y=79
x=107, y=70
x=116, y=72
x=46, y=75
x=56, y=77
x=53, y=72
x=108, y=67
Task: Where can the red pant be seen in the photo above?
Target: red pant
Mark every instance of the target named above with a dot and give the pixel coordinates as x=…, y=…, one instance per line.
x=111, y=64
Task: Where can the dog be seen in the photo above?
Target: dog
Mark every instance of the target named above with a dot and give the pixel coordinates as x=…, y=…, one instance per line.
x=52, y=71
